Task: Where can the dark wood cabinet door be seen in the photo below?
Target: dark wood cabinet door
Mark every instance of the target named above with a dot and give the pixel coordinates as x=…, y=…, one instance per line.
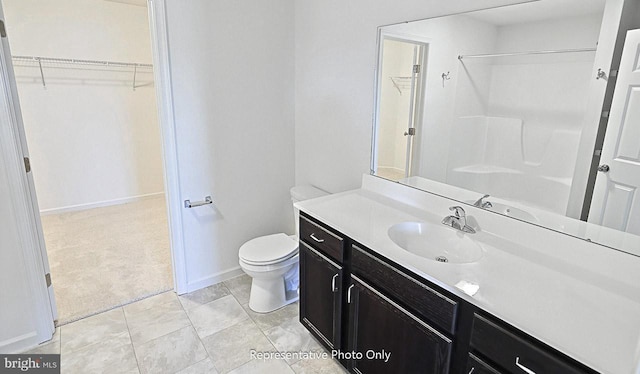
x=379, y=326
x=477, y=366
x=320, y=296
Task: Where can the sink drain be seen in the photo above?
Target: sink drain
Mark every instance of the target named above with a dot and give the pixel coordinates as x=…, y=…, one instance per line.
x=442, y=259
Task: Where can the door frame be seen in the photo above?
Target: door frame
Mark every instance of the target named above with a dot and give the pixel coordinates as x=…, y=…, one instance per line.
x=13, y=149
x=417, y=110
x=158, y=25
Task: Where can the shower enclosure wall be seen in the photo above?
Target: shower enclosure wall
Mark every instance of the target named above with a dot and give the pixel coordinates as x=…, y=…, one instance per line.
x=519, y=110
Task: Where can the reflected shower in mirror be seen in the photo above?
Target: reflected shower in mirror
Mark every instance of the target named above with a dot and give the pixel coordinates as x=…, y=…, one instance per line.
x=496, y=102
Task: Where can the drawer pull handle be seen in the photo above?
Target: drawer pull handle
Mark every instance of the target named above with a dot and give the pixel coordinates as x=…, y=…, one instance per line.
x=472, y=370
x=349, y=294
x=313, y=236
x=334, y=288
x=524, y=368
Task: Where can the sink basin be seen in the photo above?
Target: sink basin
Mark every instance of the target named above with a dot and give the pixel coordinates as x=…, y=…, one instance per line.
x=436, y=242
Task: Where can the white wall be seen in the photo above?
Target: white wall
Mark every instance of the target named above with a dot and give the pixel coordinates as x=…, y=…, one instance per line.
x=232, y=71
x=92, y=138
x=335, y=61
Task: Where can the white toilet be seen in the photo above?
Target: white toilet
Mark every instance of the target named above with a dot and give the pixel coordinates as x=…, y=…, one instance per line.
x=272, y=262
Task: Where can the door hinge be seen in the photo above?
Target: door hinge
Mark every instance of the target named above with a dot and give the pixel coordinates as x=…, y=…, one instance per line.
x=47, y=277
x=411, y=131
x=416, y=69
x=27, y=164
x=3, y=31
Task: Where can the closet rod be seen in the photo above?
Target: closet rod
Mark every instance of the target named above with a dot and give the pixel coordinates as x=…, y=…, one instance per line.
x=40, y=59
x=460, y=57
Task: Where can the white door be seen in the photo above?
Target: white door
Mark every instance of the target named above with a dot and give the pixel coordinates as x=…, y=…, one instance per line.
x=400, y=86
x=28, y=309
x=616, y=197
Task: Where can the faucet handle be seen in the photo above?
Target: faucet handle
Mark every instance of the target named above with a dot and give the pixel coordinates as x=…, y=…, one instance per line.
x=458, y=211
x=479, y=202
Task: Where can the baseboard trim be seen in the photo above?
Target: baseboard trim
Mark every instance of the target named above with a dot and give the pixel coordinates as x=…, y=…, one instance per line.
x=98, y=204
x=20, y=343
x=212, y=279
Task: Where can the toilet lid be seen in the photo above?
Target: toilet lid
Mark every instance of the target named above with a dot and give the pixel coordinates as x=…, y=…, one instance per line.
x=268, y=249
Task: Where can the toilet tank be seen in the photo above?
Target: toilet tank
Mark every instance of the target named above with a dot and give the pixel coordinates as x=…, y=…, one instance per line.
x=301, y=193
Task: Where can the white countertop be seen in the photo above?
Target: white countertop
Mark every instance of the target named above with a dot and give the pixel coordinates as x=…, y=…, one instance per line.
x=609, y=237
x=580, y=298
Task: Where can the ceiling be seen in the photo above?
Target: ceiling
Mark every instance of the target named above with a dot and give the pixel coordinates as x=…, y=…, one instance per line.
x=539, y=10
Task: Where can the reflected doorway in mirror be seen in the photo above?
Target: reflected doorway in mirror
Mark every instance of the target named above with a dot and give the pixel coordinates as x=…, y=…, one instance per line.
x=402, y=64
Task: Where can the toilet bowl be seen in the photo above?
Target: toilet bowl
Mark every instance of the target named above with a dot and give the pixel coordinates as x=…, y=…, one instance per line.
x=272, y=262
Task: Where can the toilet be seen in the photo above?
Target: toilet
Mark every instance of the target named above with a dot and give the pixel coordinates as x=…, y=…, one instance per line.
x=272, y=262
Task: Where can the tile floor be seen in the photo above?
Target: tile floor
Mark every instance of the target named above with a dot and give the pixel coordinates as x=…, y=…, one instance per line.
x=208, y=331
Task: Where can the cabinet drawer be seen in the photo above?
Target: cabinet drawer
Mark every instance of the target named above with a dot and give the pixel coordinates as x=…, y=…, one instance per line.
x=322, y=239
x=477, y=366
x=414, y=294
x=515, y=353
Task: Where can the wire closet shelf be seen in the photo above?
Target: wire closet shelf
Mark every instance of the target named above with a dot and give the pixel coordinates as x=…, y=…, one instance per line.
x=39, y=60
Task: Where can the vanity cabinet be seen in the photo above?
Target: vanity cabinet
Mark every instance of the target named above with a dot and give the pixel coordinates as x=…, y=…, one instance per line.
x=390, y=339
x=477, y=366
x=366, y=306
x=321, y=283
x=515, y=352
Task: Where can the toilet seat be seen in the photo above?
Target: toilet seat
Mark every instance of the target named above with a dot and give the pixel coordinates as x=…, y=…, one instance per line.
x=293, y=260
x=268, y=250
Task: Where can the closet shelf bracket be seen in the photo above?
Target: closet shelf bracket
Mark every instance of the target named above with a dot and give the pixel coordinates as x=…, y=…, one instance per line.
x=135, y=71
x=44, y=84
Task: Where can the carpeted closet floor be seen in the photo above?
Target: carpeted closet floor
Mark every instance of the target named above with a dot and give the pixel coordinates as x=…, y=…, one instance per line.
x=106, y=257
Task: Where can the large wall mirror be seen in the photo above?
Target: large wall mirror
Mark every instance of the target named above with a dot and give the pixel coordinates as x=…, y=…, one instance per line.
x=503, y=109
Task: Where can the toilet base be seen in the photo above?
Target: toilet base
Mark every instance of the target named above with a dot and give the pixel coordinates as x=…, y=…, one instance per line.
x=268, y=295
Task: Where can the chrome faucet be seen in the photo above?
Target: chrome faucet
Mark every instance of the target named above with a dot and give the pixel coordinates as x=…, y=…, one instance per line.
x=458, y=220
x=483, y=204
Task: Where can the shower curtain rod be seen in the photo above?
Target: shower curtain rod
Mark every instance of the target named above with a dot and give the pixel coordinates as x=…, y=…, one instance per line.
x=81, y=62
x=460, y=57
